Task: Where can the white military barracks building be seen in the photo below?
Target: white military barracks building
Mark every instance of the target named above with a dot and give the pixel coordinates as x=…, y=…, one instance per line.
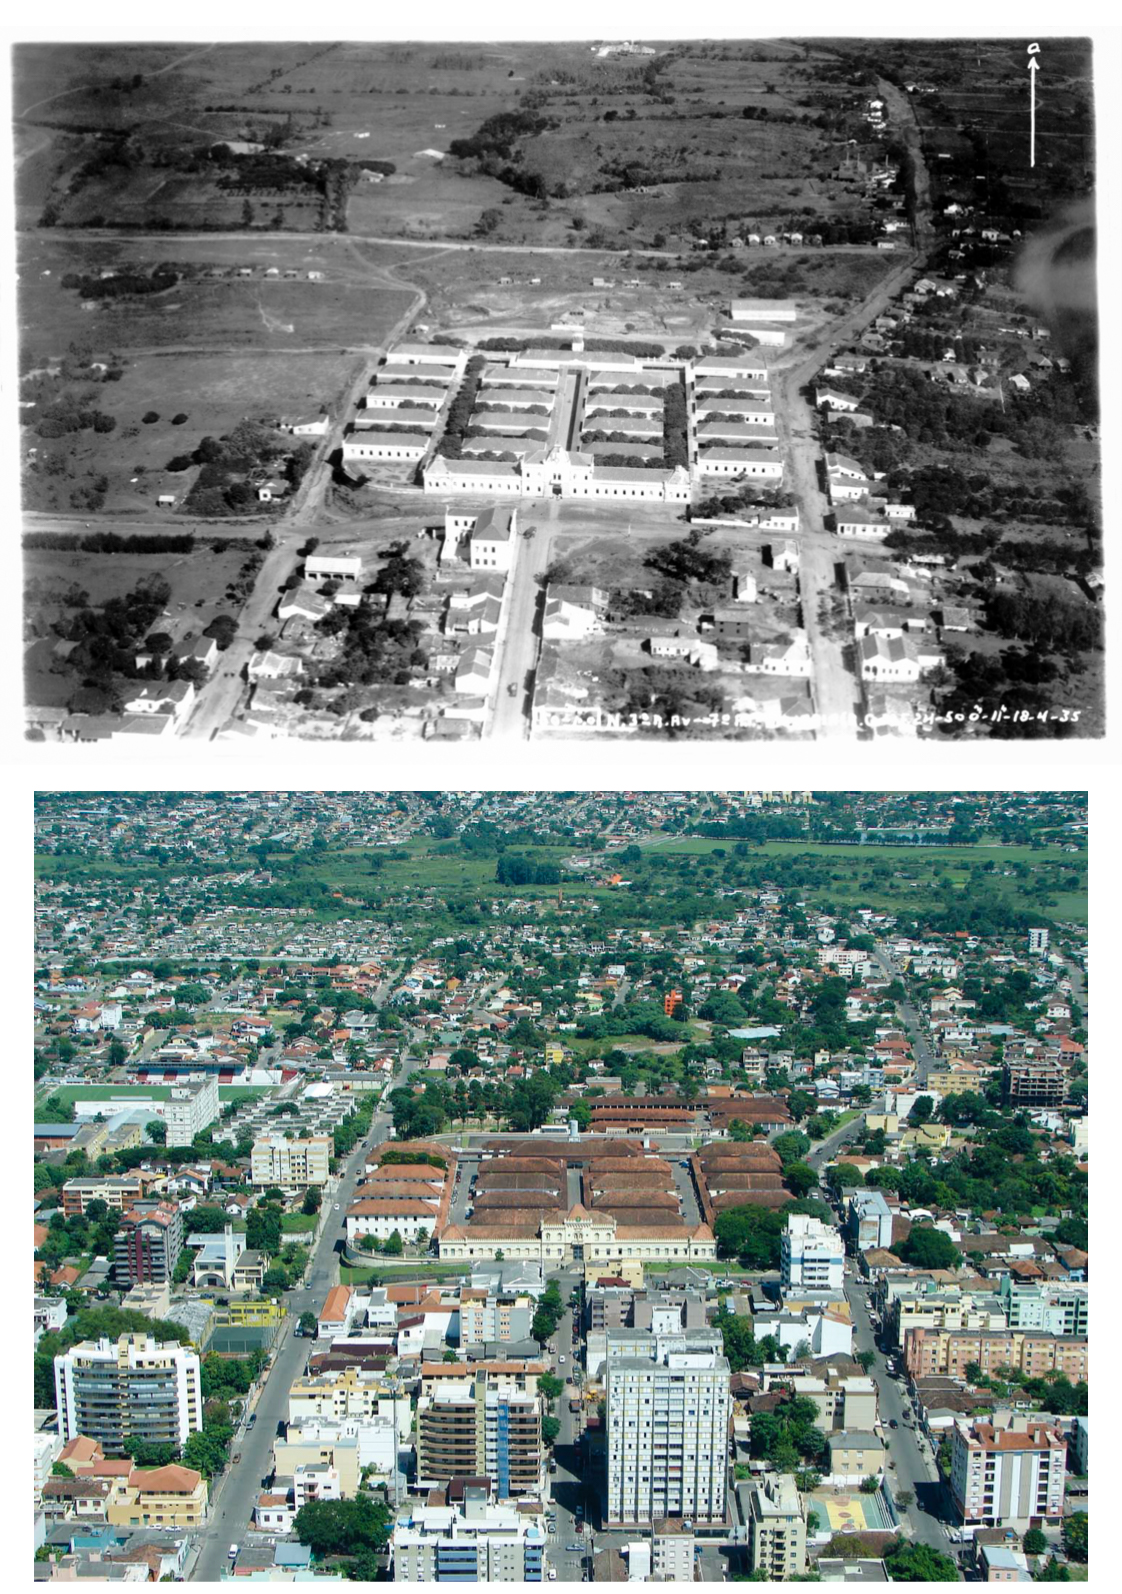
x=555, y=472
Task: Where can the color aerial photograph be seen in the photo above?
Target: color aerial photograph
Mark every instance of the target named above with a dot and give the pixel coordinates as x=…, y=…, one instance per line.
x=511, y=1187
x=606, y=389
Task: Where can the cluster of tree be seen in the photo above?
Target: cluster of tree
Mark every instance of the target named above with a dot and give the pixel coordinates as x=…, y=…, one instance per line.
x=752, y=1234
x=375, y=651
x=91, y=1231
x=1045, y=622
x=675, y=425
x=122, y=284
x=347, y=1134
x=741, y=1347
x=351, y=1531
x=516, y=869
x=1040, y=555
x=548, y=1314
x=498, y=139
x=936, y=415
x=108, y=637
x=70, y=413
x=221, y=487
x=906, y=1561
x=1011, y=692
x=94, y=1322
x=789, y=1437
x=460, y=410
x=686, y=561
x=109, y=542
x=1002, y=1171
x=928, y=1248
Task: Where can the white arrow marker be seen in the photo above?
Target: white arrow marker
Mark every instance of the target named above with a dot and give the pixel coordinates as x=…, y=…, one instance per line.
x=1034, y=68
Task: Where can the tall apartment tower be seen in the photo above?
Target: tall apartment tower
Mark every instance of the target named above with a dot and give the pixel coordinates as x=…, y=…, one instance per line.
x=1038, y=942
x=489, y=1429
x=148, y=1243
x=811, y=1255
x=192, y=1107
x=668, y=1423
x=1008, y=1477
x=777, y=1529
x=131, y=1388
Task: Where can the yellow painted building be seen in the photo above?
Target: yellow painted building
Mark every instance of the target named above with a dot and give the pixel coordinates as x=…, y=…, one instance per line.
x=159, y=1497
x=250, y=1313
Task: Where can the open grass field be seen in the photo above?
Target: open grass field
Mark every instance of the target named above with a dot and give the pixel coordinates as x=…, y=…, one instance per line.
x=894, y=877
x=71, y=1093
x=831, y=877
x=349, y=308
x=298, y=1222
x=213, y=391
x=405, y=1273
x=107, y=1092
x=677, y=132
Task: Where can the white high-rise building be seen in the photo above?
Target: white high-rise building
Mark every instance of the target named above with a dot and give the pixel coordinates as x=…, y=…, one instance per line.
x=1038, y=942
x=668, y=1422
x=290, y=1164
x=811, y=1255
x=129, y=1388
x=191, y=1108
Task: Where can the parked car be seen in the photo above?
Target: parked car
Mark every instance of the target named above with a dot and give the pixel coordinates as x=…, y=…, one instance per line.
x=233, y=1552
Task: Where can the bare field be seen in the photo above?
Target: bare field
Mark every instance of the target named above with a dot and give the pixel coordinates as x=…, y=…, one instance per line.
x=467, y=294
x=257, y=312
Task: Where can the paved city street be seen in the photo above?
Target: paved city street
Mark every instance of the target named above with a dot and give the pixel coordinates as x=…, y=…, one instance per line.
x=910, y=1463
x=237, y=1489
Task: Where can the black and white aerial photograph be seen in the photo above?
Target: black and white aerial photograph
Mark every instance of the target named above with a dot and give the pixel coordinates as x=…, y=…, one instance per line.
x=729, y=389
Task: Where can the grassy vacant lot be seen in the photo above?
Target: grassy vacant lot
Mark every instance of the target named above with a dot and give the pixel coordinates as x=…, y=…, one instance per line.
x=298, y=1222
x=342, y=311
x=214, y=391
x=406, y=1273
x=886, y=877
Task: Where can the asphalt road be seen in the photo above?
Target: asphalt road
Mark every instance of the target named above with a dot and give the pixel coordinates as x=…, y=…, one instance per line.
x=828, y=1148
x=909, y=1462
x=233, y=1500
x=232, y=1509
x=913, y=1023
x=433, y=245
x=567, y=1483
